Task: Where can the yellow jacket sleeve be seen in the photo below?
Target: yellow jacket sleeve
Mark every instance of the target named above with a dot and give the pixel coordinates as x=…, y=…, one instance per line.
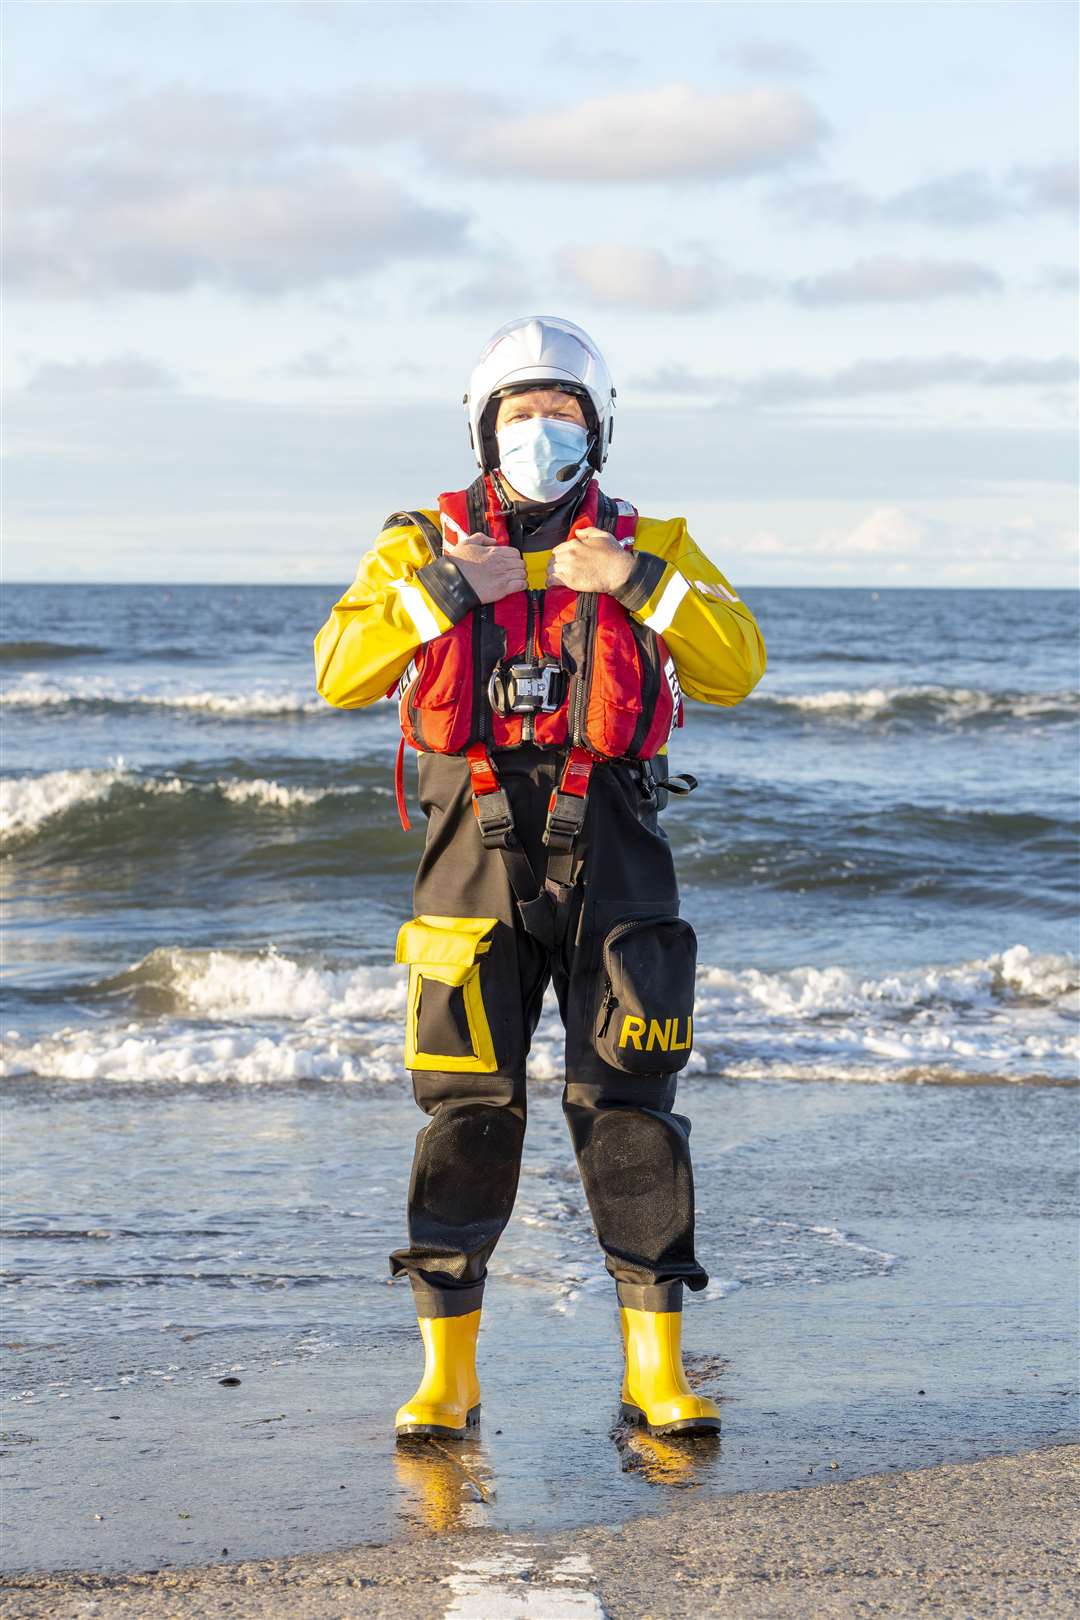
x=401, y=597
x=712, y=635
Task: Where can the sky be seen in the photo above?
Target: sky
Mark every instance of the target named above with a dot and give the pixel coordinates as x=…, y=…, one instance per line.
x=828, y=250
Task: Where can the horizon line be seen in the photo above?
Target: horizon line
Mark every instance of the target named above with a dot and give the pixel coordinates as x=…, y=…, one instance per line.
x=316, y=584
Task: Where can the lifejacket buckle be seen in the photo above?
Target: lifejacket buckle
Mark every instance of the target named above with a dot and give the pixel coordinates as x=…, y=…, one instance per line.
x=569, y=801
x=496, y=819
x=565, y=819
x=527, y=688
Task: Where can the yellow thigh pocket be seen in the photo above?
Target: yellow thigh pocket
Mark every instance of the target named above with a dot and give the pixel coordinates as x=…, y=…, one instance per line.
x=446, y=1026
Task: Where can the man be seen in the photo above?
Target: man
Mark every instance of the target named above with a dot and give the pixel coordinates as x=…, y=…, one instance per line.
x=545, y=634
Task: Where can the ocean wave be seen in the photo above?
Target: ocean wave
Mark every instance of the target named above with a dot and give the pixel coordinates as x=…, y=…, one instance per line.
x=45, y=652
x=102, y=696
x=956, y=705
x=30, y=805
x=241, y=985
x=266, y=1018
x=28, y=802
x=1014, y=975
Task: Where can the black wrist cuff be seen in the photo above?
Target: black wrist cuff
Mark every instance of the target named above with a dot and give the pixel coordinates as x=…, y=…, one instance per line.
x=448, y=588
x=644, y=577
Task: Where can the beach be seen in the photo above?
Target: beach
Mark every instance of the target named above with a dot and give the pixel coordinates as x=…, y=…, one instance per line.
x=984, y=1540
x=934, y=1325
x=208, y=1133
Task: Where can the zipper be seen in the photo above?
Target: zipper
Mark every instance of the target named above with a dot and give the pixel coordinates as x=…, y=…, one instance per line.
x=607, y=1007
x=583, y=679
x=480, y=709
x=528, y=721
x=628, y=927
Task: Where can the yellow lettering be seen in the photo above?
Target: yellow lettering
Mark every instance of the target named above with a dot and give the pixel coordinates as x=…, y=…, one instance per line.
x=658, y=1035
x=684, y=1046
x=632, y=1030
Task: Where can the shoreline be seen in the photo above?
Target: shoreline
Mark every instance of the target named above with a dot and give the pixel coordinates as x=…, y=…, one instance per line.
x=982, y=1539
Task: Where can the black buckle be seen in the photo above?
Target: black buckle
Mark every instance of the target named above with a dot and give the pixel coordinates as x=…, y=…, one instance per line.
x=527, y=688
x=565, y=819
x=496, y=819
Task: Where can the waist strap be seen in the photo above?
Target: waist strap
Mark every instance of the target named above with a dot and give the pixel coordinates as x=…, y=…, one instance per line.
x=543, y=905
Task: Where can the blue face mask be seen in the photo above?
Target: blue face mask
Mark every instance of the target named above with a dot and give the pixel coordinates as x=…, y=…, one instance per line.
x=533, y=450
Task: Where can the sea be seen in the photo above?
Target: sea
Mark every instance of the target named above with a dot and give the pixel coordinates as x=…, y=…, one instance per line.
x=208, y=1125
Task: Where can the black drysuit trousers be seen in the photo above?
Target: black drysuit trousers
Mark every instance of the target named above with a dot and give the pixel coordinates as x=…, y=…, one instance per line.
x=632, y=1150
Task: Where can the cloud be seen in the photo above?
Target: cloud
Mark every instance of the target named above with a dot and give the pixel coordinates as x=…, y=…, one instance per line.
x=647, y=279
x=963, y=198
x=121, y=371
x=315, y=365
x=888, y=375
x=206, y=478
x=937, y=544
x=679, y=379
x=886, y=530
x=1060, y=278
x=164, y=193
x=264, y=234
x=889, y=278
x=508, y=287
x=1050, y=185
x=772, y=56
x=672, y=132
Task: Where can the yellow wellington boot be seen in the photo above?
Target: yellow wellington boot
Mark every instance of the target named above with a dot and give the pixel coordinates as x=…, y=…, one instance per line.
x=448, y=1400
x=654, y=1391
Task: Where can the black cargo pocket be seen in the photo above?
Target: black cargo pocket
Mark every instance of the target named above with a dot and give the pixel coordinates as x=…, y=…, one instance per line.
x=645, y=1016
x=446, y=1023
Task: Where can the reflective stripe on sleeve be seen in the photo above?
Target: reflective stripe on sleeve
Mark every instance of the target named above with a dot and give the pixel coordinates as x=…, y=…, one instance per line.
x=415, y=604
x=665, y=610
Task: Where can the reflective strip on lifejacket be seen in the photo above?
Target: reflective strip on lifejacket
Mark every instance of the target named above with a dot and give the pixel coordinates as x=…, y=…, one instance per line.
x=448, y=523
x=666, y=608
x=419, y=610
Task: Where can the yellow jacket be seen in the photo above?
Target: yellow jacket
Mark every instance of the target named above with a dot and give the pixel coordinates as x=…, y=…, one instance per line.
x=388, y=613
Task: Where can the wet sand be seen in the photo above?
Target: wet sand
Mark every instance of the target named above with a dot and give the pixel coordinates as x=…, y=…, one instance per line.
x=912, y=1302
x=984, y=1541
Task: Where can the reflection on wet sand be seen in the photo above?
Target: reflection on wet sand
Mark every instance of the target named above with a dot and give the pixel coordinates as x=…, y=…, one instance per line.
x=680, y=1463
x=444, y=1482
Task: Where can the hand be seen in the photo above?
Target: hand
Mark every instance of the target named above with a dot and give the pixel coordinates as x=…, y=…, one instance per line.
x=492, y=570
x=591, y=560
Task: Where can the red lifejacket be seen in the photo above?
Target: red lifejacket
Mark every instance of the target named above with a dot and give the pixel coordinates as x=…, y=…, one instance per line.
x=623, y=696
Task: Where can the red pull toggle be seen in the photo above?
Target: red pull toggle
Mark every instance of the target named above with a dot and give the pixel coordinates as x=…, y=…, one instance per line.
x=481, y=770
x=576, y=775
x=399, y=788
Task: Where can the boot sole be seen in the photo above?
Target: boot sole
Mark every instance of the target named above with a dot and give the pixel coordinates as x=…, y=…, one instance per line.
x=443, y=1431
x=698, y=1425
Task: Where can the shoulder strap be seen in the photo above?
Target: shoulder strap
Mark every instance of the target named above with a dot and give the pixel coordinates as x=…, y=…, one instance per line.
x=431, y=534
x=607, y=513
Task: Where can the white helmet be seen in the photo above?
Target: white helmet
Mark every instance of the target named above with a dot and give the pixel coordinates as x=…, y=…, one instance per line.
x=527, y=353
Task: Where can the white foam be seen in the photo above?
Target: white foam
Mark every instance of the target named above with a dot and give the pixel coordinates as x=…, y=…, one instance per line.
x=27, y=803
x=811, y=992
x=240, y=985
x=276, y=796
x=179, y=1055
x=37, y=692
x=1011, y=1016
x=944, y=702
